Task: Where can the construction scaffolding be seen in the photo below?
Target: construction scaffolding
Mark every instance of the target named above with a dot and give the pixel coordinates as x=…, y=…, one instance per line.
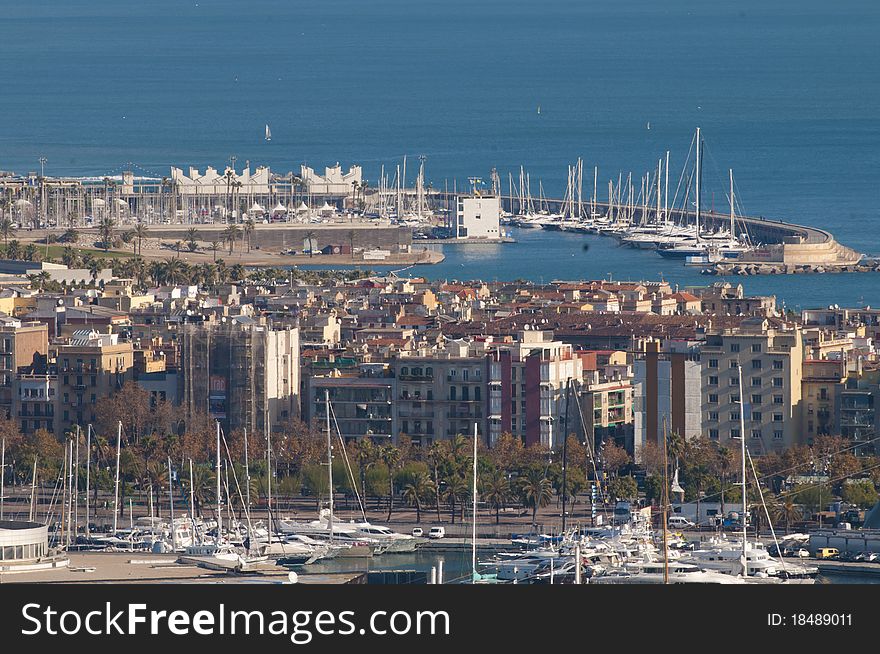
x=241, y=373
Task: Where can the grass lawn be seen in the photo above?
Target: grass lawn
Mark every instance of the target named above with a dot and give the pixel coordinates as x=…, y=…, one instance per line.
x=55, y=252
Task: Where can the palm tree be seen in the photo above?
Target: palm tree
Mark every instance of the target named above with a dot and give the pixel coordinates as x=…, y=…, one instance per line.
x=191, y=235
x=94, y=267
x=496, y=491
x=203, y=485
x=310, y=238
x=39, y=279
x=215, y=245
x=7, y=229
x=13, y=249
x=456, y=491
x=351, y=235
x=786, y=511
x=69, y=257
x=238, y=272
x=178, y=246
x=31, y=253
x=106, y=229
x=70, y=236
x=366, y=457
x=390, y=456
x=175, y=270
x=140, y=233
x=535, y=491
x=415, y=490
x=249, y=228
x=230, y=235
x=437, y=457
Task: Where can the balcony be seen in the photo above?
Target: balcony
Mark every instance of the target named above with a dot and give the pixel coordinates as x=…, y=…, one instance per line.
x=415, y=413
x=410, y=377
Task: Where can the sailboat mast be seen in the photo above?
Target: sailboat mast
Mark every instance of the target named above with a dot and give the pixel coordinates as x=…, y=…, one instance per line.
x=699, y=177
x=247, y=472
x=666, y=191
x=192, y=498
x=219, y=494
x=474, y=515
x=665, y=503
x=88, y=470
x=329, y=461
x=171, y=505
x=2, y=475
x=33, y=509
x=268, y=481
x=742, y=434
x=116, y=484
x=732, y=226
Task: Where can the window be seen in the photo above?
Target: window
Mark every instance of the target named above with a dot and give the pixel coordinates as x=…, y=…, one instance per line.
x=777, y=435
x=810, y=426
x=733, y=364
x=777, y=417
x=777, y=382
x=713, y=380
x=756, y=416
x=464, y=375
x=713, y=416
x=713, y=398
x=477, y=373
x=756, y=433
x=713, y=434
x=734, y=347
x=777, y=399
x=452, y=393
x=756, y=347
x=713, y=363
x=734, y=397
x=756, y=364
x=756, y=382
x=404, y=371
x=477, y=393
x=734, y=416
x=733, y=381
x=777, y=364
x=429, y=372
x=756, y=399
x=734, y=433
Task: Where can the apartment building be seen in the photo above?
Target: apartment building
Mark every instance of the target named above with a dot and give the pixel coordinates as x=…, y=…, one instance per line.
x=442, y=393
x=771, y=355
x=361, y=404
x=240, y=371
x=528, y=380
x=822, y=383
x=20, y=344
x=93, y=365
x=667, y=381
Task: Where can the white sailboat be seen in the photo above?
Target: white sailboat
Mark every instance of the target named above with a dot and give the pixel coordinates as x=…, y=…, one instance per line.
x=268, y=133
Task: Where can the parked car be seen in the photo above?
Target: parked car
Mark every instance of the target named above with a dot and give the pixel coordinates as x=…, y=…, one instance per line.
x=680, y=522
x=867, y=557
x=417, y=532
x=827, y=553
x=437, y=532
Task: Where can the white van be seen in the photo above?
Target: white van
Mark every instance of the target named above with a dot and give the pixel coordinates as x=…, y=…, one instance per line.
x=437, y=532
x=679, y=522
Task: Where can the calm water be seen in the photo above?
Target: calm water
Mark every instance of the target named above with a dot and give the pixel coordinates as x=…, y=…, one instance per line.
x=787, y=93
x=457, y=566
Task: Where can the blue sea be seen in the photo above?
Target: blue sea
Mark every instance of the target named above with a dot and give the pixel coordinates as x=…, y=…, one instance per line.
x=787, y=94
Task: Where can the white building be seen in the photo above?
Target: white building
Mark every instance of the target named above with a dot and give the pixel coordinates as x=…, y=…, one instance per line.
x=333, y=181
x=478, y=217
x=214, y=183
